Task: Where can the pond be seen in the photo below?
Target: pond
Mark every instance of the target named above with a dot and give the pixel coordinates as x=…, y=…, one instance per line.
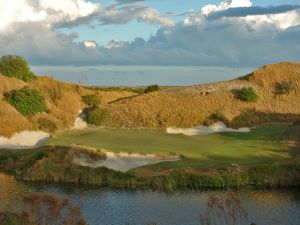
x=118, y=207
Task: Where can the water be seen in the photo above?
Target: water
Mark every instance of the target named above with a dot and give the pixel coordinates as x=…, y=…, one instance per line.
x=114, y=207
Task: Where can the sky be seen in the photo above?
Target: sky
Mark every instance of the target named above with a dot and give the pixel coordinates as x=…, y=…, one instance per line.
x=139, y=42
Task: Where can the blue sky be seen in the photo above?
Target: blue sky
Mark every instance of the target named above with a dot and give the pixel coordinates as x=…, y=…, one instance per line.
x=127, y=32
x=187, y=41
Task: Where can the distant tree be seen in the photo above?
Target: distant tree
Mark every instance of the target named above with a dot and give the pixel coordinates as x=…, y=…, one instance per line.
x=152, y=88
x=15, y=66
x=26, y=101
x=92, y=100
x=248, y=94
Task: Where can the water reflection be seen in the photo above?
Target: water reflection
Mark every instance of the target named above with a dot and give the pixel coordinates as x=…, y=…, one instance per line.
x=107, y=206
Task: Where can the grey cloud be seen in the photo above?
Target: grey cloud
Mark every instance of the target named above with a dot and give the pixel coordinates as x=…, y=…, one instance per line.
x=252, y=11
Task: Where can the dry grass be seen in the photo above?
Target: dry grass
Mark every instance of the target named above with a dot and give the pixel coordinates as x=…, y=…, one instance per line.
x=191, y=106
x=178, y=106
x=92, y=154
x=10, y=83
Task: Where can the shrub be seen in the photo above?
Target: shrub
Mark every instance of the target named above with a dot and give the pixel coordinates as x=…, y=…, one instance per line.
x=15, y=66
x=96, y=116
x=92, y=100
x=248, y=94
x=26, y=101
x=46, y=125
x=39, y=155
x=284, y=87
x=152, y=88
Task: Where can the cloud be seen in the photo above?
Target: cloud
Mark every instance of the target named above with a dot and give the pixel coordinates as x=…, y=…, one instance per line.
x=232, y=33
x=121, y=14
x=128, y=1
x=50, y=13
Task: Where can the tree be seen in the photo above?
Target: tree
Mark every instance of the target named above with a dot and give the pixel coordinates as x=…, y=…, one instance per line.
x=15, y=66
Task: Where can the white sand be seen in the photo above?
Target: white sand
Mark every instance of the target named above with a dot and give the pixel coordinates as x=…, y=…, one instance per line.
x=79, y=121
x=124, y=162
x=205, y=130
x=24, y=140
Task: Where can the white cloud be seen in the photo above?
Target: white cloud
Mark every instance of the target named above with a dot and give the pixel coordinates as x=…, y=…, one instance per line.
x=50, y=13
x=206, y=10
x=90, y=44
x=115, y=44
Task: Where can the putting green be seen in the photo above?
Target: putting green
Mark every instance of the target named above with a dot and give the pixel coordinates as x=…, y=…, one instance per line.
x=261, y=145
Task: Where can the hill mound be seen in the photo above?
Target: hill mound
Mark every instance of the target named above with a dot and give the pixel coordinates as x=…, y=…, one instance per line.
x=194, y=105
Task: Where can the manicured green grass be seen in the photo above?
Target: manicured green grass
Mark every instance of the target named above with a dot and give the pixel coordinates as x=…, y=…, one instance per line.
x=262, y=145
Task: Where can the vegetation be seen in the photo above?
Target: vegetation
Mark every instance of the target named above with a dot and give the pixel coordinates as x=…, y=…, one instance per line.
x=26, y=101
x=57, y=167
x=90, y=153
x=46, y=125
x=215, y=117
x=96, y=116
x=248, y=94
x=15, y=66
x=284, y=87
x=198, y=151
x=138, y=90
x=152, y=88
x=92, y=100
x=42, y=209
x=224, y=210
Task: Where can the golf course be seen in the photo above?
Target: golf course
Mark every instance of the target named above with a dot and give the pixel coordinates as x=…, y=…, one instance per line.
x=264, y=144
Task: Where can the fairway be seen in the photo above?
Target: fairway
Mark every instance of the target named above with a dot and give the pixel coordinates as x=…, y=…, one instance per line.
x=263, y=144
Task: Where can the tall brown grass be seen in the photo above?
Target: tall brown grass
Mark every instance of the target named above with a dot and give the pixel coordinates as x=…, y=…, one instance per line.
x=191, y=106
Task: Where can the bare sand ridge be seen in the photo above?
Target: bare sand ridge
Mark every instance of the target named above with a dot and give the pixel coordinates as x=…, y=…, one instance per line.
x=205, y=130
x=123, y=161
x=24, y=140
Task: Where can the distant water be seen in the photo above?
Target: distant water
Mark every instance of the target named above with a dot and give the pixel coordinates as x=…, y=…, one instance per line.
x=116, y=207
x=140, y=75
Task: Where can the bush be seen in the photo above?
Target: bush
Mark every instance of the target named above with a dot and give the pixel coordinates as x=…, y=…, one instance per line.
x=152, y=88
x=284, y=87
x=215, y=117
x=15, y=66
x=46, y=125
x=248, y=94
x=92, y=100
x=26, y=101
x=39, y=155
x=96, y=116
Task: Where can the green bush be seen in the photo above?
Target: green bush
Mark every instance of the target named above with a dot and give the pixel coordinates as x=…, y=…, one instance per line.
x=26, y=101
x=15, y=66
x=284, y=87
x=96, y=116
x=39, y=155
x=46, y=125
x=152, y=88
x=92, y=100
x=248, y=94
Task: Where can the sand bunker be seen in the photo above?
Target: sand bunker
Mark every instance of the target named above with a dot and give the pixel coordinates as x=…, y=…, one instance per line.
x=123, y=162
x=24, y=140
x=79, y=121
x=204, y=130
